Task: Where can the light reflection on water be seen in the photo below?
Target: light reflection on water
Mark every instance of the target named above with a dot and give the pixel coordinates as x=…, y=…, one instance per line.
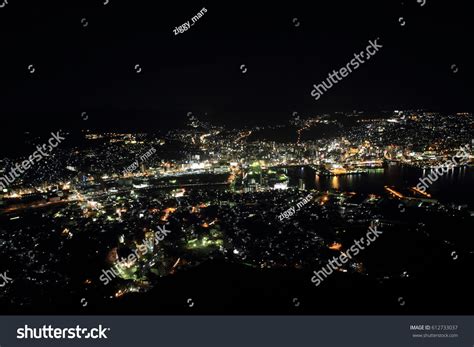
x=455, y=186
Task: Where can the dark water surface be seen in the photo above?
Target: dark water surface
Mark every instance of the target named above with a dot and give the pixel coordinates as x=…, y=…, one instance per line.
x=456, y=186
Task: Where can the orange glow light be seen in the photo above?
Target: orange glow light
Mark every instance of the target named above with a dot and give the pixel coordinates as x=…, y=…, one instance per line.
x=335, y=246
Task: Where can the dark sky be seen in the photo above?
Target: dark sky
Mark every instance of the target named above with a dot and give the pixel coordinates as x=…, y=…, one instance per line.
x=91, y=69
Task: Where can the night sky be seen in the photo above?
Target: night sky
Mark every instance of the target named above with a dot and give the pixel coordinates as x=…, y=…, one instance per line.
x=92, y=68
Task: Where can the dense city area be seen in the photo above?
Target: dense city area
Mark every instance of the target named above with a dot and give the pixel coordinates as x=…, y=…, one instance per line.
x=82, y=223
